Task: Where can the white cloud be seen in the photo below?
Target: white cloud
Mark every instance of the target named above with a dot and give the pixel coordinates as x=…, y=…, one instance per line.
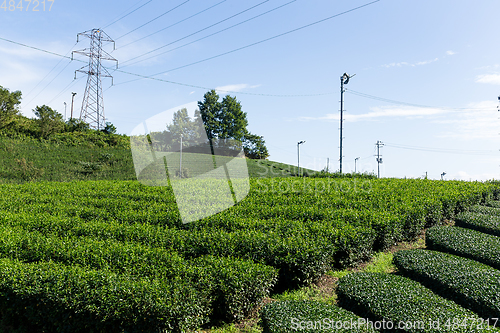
x=401, y=64
x=463, y=175
x=450, y=53
x=384, y=112
x=481, y=121
x=488, y=78
x=235, y=87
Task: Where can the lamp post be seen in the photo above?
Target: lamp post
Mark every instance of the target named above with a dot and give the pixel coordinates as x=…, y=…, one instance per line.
x=180, y=161
x=72, y=102
x=344, y=79
x=357, y=158
x=64, y=111
x=442, y=175
x=298, y=156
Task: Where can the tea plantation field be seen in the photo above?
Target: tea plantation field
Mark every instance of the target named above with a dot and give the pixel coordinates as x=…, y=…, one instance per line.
x=451, y=286
x=114, y=256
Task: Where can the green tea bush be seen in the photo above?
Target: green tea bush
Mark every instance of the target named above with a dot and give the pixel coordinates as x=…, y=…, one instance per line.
x=481, y=222
x=308, y=316
x=52, y=297
x=493, y=203
x=469, y=283
x=493, y=211
x=396, y=303
x=236, y=286
x=466, y=243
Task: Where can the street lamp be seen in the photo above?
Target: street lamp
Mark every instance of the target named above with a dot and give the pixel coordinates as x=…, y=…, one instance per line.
x=442, y=175
x=357, y=158
x=298, y=157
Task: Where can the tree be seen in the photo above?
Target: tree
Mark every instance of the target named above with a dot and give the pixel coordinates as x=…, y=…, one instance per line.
x=49, y=121
x=76, y=125
x=254, y=147
x=226, y=123
x=109, y=129
x=9, y=105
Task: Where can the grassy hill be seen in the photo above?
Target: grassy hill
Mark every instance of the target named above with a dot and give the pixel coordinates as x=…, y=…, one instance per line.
x=25, y=159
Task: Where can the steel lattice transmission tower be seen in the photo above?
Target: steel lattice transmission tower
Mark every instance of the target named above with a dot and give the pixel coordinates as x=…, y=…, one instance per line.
x=93, y=103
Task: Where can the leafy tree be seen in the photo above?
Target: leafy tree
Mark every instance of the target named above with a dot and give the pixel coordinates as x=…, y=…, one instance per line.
x=49, y=121
x=226, y=123
x=9, y=105
x=76, y=125
x=209, y=111
x=254, y=147
x=109, y=129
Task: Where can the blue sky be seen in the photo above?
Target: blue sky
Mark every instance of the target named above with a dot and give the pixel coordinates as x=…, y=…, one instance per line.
x=439, y=58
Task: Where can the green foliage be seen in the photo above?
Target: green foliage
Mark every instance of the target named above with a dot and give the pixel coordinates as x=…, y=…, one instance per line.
x=466, y=243
x=76, y=125
x=49, y=121
x=471, y=284
x=401, y=301
x=307, y=316
x=9, y=105
x=255, y=147
x=26, y=170
x=493, y=211
x=481, y=222
x=52, y=297
x=109, y=128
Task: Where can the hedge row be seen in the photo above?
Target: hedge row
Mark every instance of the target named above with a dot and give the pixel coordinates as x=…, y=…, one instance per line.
x=52, y=297
x=485, y=210
x=309, y=316
x=301, y=253
x=466, y=243
x=235, y=285
x=396, y=303
x=493, y=203
x=481, y=222
x=469, y=283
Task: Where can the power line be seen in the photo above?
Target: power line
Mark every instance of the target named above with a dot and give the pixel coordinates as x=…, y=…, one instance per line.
x=215, y=33
x=165, y=13
x=53, y=68
x=357, y=93
x=268, y=39
x=49, y=83
x=128, y=13
x=443, y=150
x=187, y=18
x=194, y=33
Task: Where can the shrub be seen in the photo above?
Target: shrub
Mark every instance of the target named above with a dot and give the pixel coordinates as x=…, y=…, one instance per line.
x=56, y=298
x=307, y=316
x=485, y=210
x=493, y=203
x=397, y=301
x=27, y=171
x=481, y=222
x=469, y=283
x=466, y=243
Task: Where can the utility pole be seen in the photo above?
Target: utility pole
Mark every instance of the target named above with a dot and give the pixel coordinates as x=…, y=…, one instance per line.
x=379, y=158
x=72, y=101
x=298, y=157
x=328, y=164
x=344, y=79
x=442, y=175
x=93, y=102
x=65, y=111
x=357, y=158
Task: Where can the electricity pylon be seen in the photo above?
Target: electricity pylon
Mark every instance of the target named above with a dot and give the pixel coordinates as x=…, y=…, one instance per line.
x=92, y=111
